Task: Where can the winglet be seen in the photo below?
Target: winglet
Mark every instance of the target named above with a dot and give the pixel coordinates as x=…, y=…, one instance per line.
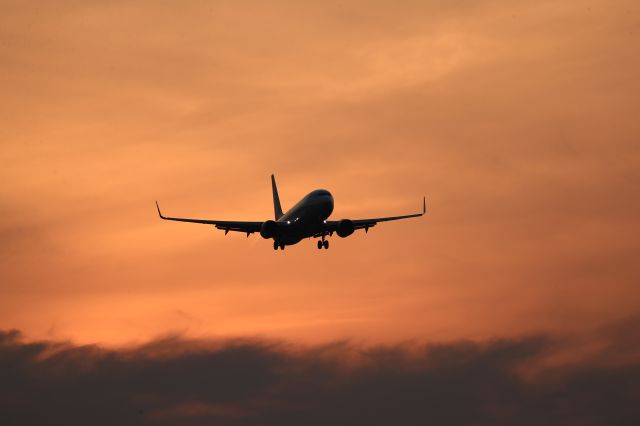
x=159, y=214
x=424, y=205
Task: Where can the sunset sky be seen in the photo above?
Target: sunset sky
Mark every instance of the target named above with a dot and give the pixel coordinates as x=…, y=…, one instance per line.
x=517, y=119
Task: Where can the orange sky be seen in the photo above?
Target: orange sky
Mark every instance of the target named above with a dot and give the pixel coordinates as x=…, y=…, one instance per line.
x=517, y=119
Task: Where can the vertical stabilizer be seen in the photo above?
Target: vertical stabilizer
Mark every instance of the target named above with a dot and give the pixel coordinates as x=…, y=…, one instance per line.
x=276, y=199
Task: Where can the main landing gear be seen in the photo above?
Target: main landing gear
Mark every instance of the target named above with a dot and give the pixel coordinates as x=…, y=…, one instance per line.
x=324, y=243
x=276, y=245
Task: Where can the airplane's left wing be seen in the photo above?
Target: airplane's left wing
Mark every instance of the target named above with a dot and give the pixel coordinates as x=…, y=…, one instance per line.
x=225, y=225
x=332, y=225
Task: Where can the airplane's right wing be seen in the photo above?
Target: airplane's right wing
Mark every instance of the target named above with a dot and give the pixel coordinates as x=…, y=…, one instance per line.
x=332, y=225
x=225, y=225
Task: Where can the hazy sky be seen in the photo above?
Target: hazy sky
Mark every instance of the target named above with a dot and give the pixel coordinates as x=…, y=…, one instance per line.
x=518, y=120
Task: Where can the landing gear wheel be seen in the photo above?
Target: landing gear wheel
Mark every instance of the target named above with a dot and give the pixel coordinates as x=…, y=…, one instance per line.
x=326, y=244
x=282, y=246
x=275, y=245
x=319, y=244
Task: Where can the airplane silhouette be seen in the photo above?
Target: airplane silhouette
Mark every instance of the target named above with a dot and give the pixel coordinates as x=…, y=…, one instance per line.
x=308, y=218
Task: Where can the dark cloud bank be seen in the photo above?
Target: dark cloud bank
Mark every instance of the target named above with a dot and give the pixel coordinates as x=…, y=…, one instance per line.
x=257, y=382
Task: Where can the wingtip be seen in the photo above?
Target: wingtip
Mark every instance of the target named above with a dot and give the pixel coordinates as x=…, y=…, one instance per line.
x=424, y=205
x=159, y=213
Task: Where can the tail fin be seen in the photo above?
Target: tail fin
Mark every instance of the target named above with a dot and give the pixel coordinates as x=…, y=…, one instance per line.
x=276, y=199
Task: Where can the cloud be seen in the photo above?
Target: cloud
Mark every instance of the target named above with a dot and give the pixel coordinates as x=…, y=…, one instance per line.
x=182, y=381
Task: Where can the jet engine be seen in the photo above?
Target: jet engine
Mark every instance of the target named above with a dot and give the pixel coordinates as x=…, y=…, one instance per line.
x=268, y=229
x=345, y=228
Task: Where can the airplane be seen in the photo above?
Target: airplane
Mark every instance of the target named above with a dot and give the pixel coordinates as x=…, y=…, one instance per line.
x=309, y=218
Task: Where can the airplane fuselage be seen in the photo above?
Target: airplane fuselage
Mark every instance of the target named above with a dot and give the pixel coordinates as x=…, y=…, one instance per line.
x=305, y=219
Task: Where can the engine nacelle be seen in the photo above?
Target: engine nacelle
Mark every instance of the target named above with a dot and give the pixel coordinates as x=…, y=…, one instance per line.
x=345, y=228
x=268, y=229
